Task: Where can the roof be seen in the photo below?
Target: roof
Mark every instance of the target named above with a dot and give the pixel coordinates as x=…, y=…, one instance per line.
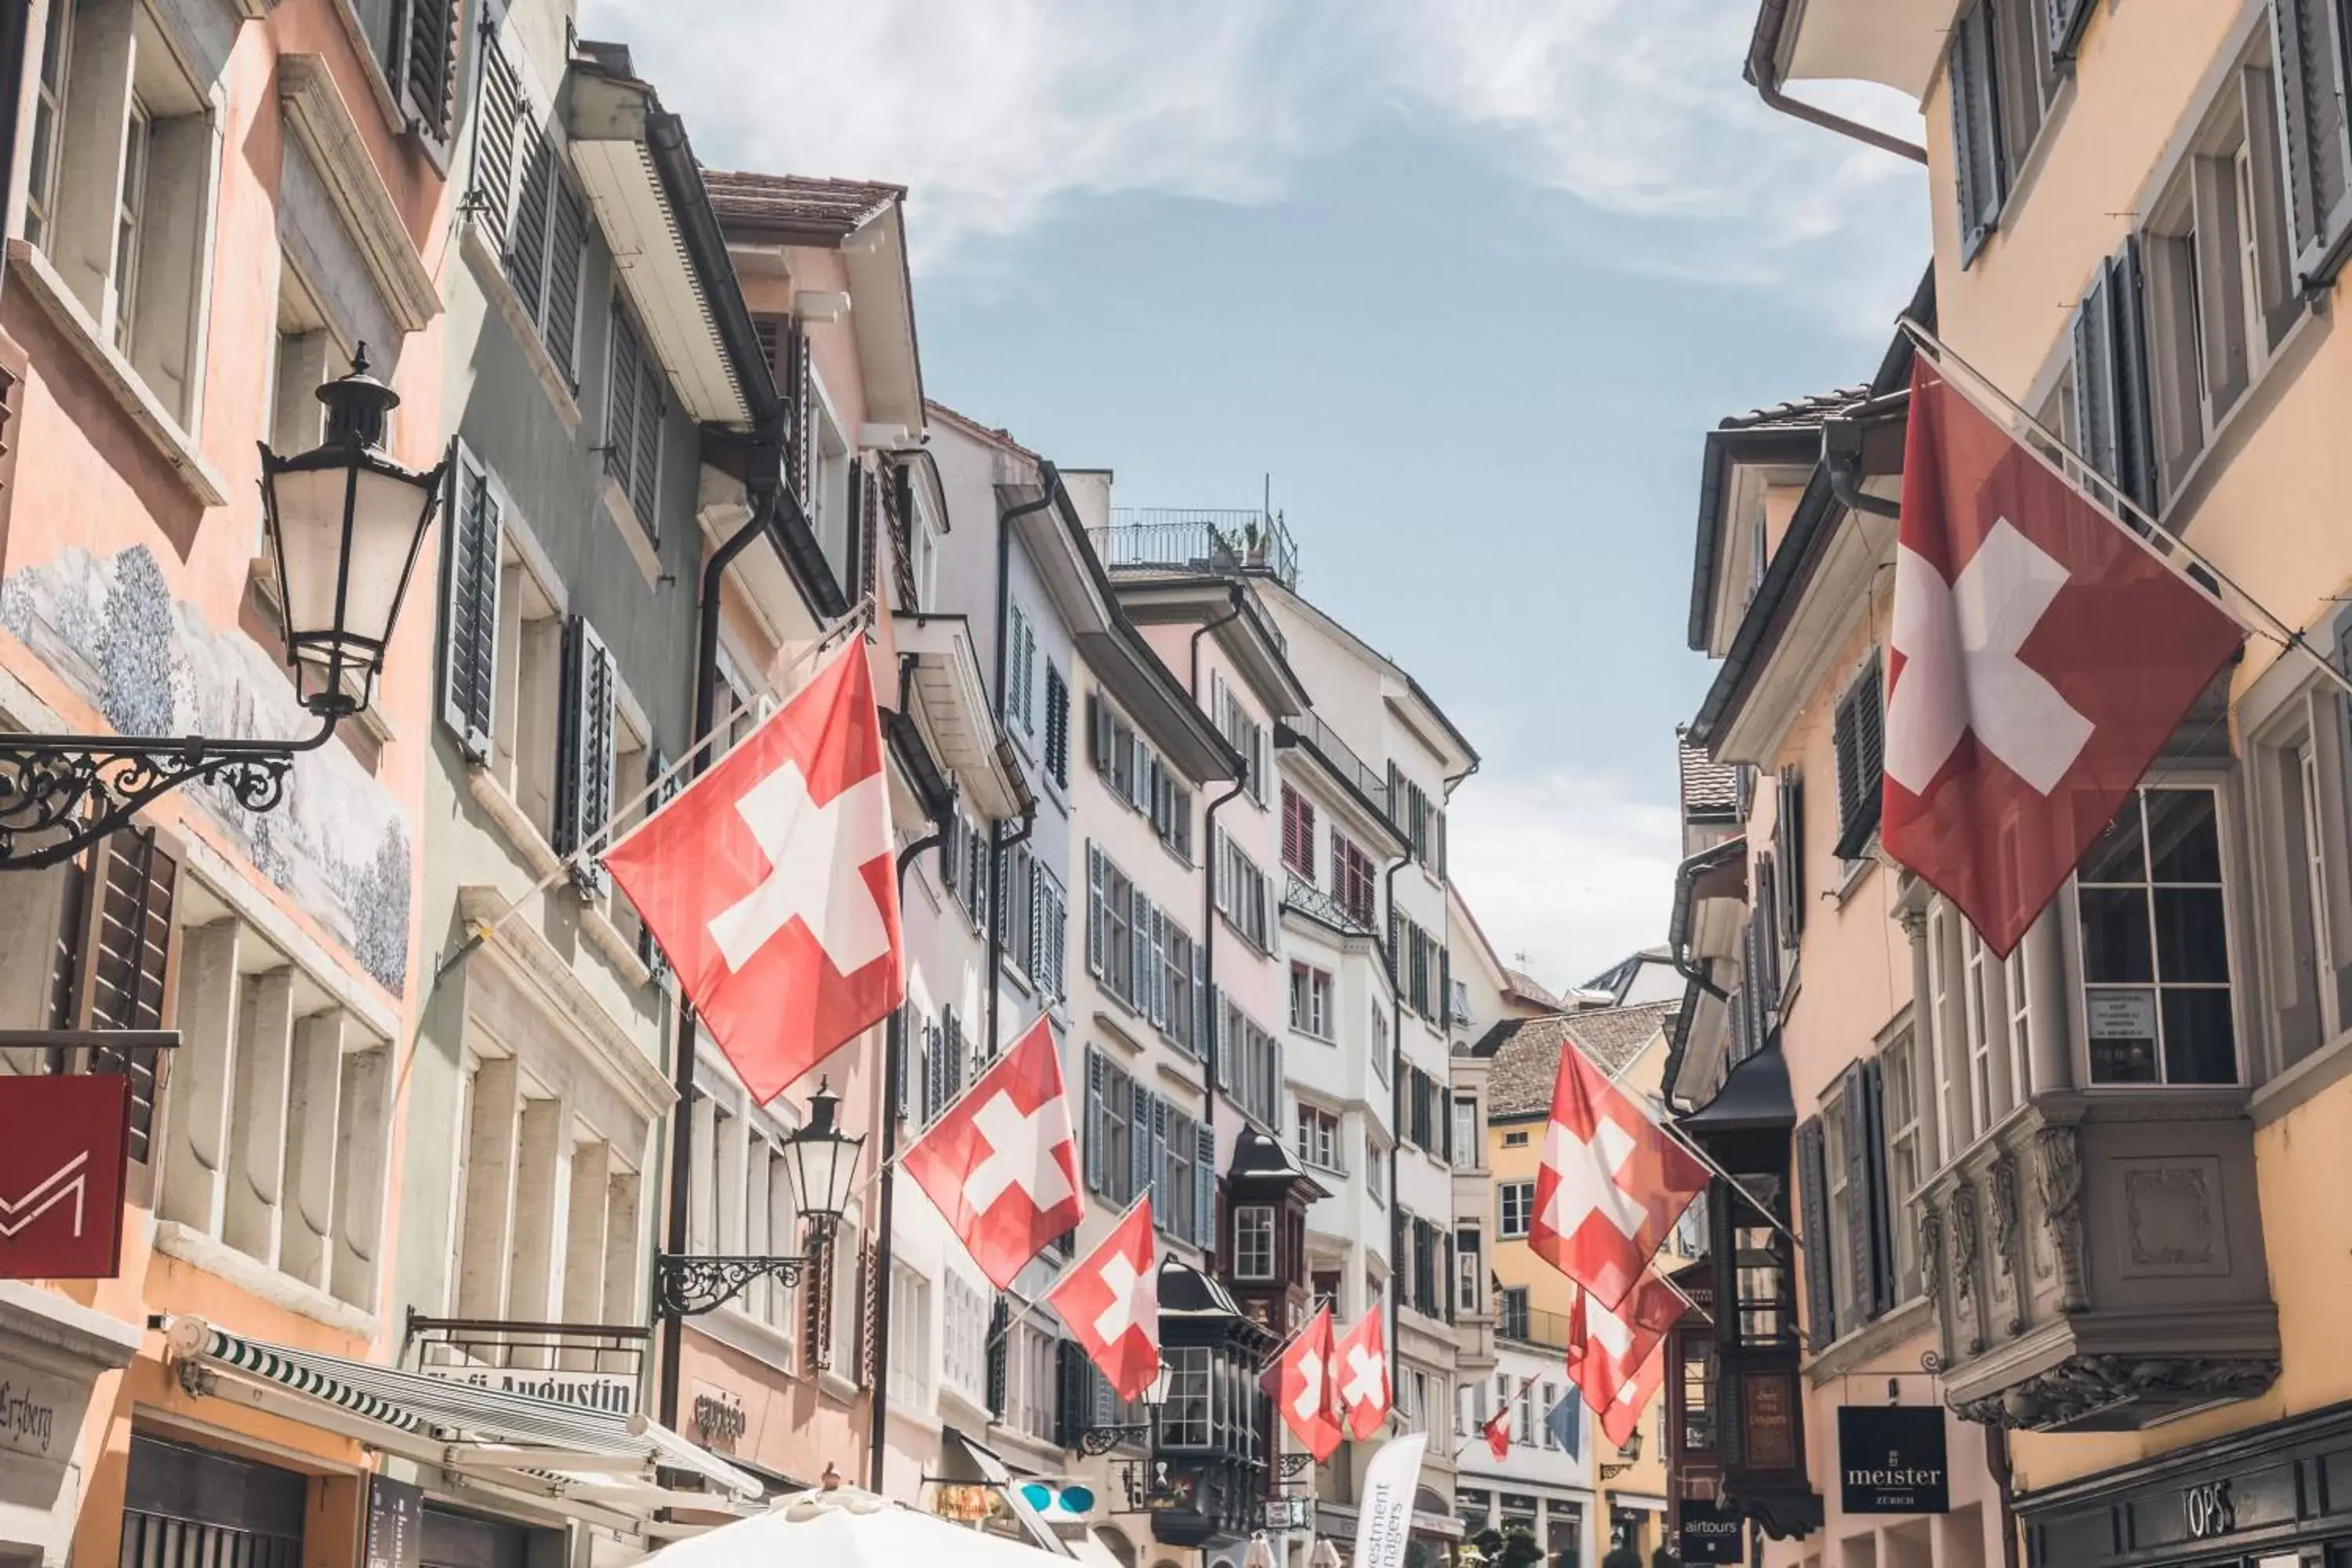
x=996, y=434
x=1527, y=987
x=1798, y=413
x=1710, y=789
x=1527, y=1059
x=829, y=210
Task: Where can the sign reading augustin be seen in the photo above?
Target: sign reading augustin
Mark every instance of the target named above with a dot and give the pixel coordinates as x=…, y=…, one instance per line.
x=1890, y=1458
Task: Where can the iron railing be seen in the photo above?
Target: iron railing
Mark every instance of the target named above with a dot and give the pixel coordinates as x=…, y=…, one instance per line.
x=1311, y=732
x=1529, y=1326
x=1298, y=893
x=1229, y=539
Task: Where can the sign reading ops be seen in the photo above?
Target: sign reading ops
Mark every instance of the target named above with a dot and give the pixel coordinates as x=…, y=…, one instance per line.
x=61, y=1175
x=1890, y=1458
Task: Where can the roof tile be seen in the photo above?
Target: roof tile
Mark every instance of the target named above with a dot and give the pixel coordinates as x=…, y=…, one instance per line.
x=797, y=201
x=1526, y=1061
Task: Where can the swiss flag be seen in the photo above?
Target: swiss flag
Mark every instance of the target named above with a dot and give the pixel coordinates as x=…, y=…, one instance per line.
x=1363, y=1361
x=1618, y=1358
x=2041, y=656
x=1002, y=1162
x=1307, y=1387
x=1610, y=1183
x=768, y=882
x=1109, y=1300
x=1497, y=1430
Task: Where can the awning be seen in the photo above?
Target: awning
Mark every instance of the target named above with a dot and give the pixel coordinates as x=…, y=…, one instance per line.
x=597, y=1466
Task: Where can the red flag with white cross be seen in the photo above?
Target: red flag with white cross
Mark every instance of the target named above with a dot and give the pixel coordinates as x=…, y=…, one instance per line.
x=1109, y=1300
x=2041, y=654
x=768, y=882
x=1618, y=1358
x=1002, y=1162
x=1364, y=1386
x=1307, y=1386
x=1610, y=1183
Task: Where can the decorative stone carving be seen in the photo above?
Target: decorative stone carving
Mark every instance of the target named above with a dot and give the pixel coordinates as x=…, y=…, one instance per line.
x=2171, y=1226
x=2058, y=1172
x=1931, y=1252
x=2004, y=1242
x=1968, y=1307
x=2073, y=1389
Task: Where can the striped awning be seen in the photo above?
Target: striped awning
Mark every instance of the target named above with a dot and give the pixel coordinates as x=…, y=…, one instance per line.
x=512, y=1440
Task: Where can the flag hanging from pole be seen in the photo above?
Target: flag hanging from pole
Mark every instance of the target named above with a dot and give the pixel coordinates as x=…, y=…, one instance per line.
x=1002, y=1162
x=1610, y=1183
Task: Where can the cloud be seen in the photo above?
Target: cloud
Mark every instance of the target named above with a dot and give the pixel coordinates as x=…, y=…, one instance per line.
x=995, y=111
x=1568, y=869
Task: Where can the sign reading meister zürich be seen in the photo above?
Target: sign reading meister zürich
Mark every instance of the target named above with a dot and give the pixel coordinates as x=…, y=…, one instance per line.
x=1890, y=1458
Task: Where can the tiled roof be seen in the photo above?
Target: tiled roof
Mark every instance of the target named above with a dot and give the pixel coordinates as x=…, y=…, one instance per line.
x=1528, y=1060
x=1529, y=988
x=837, y=208
x=1797, y=413
x=1710, y=789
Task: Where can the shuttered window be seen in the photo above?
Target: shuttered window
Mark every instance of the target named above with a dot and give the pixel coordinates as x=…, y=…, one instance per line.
x=530, y=208
x=584, y=753
x=1298, y=833
x=2309, y=38
x=423, y=64
x=1789, y=853
x=2112, y=415
x=1057, y=727
x=2066, y=21
x=116, y=947
x=1204, y=1188
x=498, y=120
x=1976, y=129
x=469, y=659
x=633, y=414
x=1814, y=1210
x=1020, y=671
x=1860, y=736
x=664, y=790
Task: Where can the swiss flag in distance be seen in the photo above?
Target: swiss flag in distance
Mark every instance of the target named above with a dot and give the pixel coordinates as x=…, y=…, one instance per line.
x=2040, y=657
x=1497, y=1430
x=1002, y=1162
x=1610, y=1183
x=768, y=882
x=1109, y=1300
x=1618, y=1358
x=1306, y=1390
x=1364, y=1386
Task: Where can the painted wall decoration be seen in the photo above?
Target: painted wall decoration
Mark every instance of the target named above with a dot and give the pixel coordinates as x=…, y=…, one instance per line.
x=338, y=846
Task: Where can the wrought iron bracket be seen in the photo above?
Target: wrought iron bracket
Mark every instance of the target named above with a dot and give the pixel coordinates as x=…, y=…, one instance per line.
x=1610, y=1472
x=1296, y=1464
x=1097, y=1441
x=689, y=1286
x=61, y=793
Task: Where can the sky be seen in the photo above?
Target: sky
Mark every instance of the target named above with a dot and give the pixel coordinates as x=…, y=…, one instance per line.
x=1464, y=283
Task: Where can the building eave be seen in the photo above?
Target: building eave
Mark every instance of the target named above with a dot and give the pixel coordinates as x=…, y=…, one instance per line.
x=1894, y=43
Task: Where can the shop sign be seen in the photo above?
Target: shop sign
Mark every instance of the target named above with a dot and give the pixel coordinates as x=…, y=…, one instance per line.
x=33, y=1413
x=395, y=1524
x=1706, y=1532
x=612, y=1393
x=61, y=1174
x=1890, y=1458
x=2211, y=1508
x=719, y=1418
x=1289, y=1512
x=1767, y=1410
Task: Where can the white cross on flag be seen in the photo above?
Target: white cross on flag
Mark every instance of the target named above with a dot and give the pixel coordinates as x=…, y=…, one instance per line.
x=2042, y=656
x=1109, y=1300
x=768, y=882
x=1306, y=1390
x=1002, y=1162
x=1362, y=1355
x=1618, y=1358
x=1610, y=1183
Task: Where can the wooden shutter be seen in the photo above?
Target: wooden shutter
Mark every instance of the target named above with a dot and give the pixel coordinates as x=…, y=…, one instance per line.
x=1094, y=933
x=1204, y=1188
x=2066, y=20
x=1876, y=1199
x=469, y=661
x=1096, y=1128
x=664, y=790
x=621, y=382
x=2094, y=377
x=901, y=1050
x=1142, y=1141
x=585, y=793
x=1788, y=855
x=526, y=238
x=1163, y=1196
x=801, y=391
x=1976, y=129
x=498, y=122
x=2316, y=155
x=1861, y=737
x=427, y=69
x=567, y=248
x=1099, y=733
x=1813, y=1201
x=1764, y=938
x=1057, y=727
x=1073, y=1401
x=2135, y=464
x=121, y=972
x=1000, y=1335
x=645, y=463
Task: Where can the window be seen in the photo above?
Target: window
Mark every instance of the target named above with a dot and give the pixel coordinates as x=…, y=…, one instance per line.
x=1382, y=1045
x=2156, y=948
x=1376, y=1165
x=1859, y=733
x=634, y=410
x=1515, y=1206
x=1318, y=1138
x=911, y=1335
x=1021, y=672
x=963, y=1337
x=1249, y=1065
x=530, y=210
x=1909, y=1158
x=1242, y=732
x=1138, y=775
x=1049, y=926
x=1310, y=1000
x=1110, y=1163
x=1253, y=1241
x=1697, y=1374
x=1032, y=1388
x=1057, y=728
x=1352, y=881
x=1469, y=1271
x=1511, y=1321
x=1422, y=820
x=1515, y=1140
x=119, y=200
x=2002, y=82
x=1564, y=1528
x=1847, y=1208
x=417, y=43
x=1469, y=1151
x=1842, y=1199
x=1244, y=896
x=1185, y=1420
x=2311, y=85
x=1298, y=833
x=2112, y=417
x=943, y=1062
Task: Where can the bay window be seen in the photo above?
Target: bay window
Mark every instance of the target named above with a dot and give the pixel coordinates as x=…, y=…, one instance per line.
x=1253, y=1242
x=2157, y=1002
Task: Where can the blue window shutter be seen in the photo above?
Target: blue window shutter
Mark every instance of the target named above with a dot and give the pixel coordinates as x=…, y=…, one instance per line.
x=1094, y=1122
x=1204, y=1188
x=469, y=671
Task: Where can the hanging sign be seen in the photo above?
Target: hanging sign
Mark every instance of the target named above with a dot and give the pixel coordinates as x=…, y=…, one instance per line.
x=396, y=1523
x=1890, y=1458
x=1706, y=1531
x=61, y=1174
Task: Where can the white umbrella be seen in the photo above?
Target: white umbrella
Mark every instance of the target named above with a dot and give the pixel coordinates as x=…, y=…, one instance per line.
x=844, y=1529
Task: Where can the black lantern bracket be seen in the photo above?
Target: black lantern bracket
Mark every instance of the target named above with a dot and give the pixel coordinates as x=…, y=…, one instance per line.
x=1097, y=1441
x=690, y=1287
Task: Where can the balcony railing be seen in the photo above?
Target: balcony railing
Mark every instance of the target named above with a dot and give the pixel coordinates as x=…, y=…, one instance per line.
x=1192, y=539
x=1312, y=901
x=1310, y=733
x=1531, y=1326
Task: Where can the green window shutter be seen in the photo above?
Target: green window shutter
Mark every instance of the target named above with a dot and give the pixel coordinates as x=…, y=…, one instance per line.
x=585, y=793
x=469, y=659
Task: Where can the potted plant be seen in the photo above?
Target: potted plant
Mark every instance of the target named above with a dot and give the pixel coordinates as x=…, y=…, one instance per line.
x=1622, y=1557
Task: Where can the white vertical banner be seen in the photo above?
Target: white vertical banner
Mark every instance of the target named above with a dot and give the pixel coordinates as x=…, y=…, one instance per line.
x=1386, y=1519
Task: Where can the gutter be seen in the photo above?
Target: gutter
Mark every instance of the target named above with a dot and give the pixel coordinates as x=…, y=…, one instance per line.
x=1762, y=71
x=1209, y=984
x=1049, y=480
x=1678, y=923
x=1396, y=1098
x=1192, y=678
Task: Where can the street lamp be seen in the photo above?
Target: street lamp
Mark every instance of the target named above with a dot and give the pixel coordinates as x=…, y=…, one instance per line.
x=1097, y=1441
x=822, y=1164
x=346, y=524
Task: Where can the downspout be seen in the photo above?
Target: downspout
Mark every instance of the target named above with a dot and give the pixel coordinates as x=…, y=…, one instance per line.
x=1396, y=1100
x=1050, y=481
x=1209, y=992
x=1763, y=72
x=1842, y=459
x=1203, y=629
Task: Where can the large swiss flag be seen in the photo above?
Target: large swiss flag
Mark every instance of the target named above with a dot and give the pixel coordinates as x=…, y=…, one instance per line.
x=1306, y=1390
x=768, y=882
x=1109, y=1300
x=1610, y=1185
x=2040, y=657
x=1002, y=1162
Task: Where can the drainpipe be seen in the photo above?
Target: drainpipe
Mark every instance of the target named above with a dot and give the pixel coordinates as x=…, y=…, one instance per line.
x=1396, y=1100
x=1203, y=629
x=1050, y=481
x=1209, y=987
x=1763, y=72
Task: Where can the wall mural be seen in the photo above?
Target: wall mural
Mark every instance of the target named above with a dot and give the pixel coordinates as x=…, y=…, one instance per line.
x=337, y=846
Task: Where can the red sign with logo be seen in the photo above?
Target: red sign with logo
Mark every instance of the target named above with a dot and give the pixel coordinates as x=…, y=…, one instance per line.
x=65, y=1141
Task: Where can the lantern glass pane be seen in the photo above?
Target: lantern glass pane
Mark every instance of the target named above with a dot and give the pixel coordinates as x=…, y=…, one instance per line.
x=386, y=513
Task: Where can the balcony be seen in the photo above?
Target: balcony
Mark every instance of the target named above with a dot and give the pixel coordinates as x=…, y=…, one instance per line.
x=1308, y=734
x=1298, y=893
x=1189, y=539
x=2097, y=1263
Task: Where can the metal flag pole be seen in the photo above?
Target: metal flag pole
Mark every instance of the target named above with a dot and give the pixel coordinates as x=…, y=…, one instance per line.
x=2168, y=549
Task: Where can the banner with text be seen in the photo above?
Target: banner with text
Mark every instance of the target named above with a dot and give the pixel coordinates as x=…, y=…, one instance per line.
x=1386, y=1522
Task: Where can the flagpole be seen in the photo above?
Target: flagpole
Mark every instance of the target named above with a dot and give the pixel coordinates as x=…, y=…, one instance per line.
x=1525, y=1384
x=2150, y=532
x=595, y=842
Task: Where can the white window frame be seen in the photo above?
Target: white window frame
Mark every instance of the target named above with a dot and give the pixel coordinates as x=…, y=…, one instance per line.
x=2234, y=988
x=1254, y=1241
x=1524, y=1208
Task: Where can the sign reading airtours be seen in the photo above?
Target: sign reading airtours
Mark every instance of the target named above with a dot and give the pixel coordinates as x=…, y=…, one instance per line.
x=1890, y=1458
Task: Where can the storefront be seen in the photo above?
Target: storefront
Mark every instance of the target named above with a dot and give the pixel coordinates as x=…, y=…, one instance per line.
x=2278, y=1496
x=52, y=1353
